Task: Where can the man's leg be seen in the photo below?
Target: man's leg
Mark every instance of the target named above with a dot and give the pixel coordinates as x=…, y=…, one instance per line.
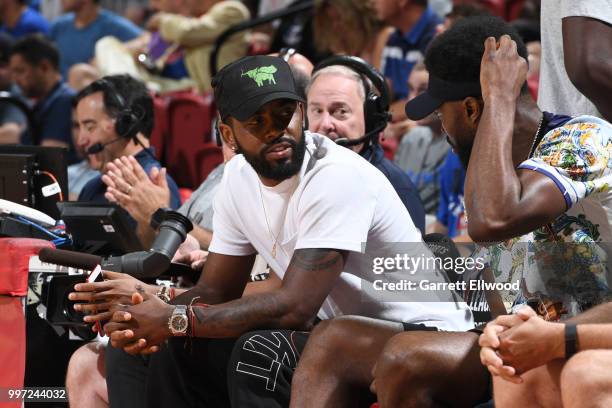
x=189, y=373
x=431, y=369
x=85, y=380
x=540, y=387
x=586, y=380
x=126, y=376
x=262, y=366
x=336, y=366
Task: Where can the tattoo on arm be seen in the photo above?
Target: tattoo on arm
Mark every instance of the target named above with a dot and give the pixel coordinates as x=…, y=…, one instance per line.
x=289, y=307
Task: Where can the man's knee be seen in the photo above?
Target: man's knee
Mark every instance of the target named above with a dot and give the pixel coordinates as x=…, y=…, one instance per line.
x=587, y=375
x=84, y=363
x=427, y=366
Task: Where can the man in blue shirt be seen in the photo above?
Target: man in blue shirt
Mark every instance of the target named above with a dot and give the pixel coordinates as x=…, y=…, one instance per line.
x=76, y=32
x=34, y=63
x=115, y=116
x=415, y=25
x=18, y=19
x=336, y=96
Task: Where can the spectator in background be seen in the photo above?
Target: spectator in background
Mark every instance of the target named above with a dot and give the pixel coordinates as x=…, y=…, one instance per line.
x=198, y=34
x=79, y=174
x=84, y=23
x=422, y=149
x=18, y=19
x=12, y=118
x=450, y=216
x=158, y=63
x=34, y=64
x=336, y=100
x=415, y=26
x=115, y=116
x=363, y=35
x=576, y=57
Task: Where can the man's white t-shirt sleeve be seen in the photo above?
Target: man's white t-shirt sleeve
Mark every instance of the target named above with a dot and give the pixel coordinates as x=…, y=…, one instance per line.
x=227, y=238
x=336, y=209
x=597, y=9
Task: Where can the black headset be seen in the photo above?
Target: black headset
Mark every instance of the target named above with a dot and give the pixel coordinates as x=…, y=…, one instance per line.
x=375, y=106
x=127, y=119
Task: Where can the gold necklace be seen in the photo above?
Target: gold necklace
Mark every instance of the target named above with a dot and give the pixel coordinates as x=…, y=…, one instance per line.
x=275, y=238
x=535, y=138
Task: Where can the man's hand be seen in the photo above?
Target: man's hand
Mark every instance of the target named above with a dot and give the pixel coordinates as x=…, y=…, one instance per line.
x=194, y=258
x=502, y=70
x=138, y=193
x=490, y=343
x=188, y=246
x=101, y=296
x=532, y=344
x=146, y=320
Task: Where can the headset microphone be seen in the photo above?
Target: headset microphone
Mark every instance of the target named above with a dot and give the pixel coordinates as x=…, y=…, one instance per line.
x=98, y=147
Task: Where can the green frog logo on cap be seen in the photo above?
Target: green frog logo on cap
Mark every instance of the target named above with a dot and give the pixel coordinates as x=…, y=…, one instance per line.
x=261, y=74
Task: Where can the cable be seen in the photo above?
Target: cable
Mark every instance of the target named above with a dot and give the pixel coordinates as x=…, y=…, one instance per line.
x=52, y=177
x=38, y=227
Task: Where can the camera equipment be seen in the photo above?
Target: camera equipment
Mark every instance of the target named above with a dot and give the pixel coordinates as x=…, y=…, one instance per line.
x=173, y=230
x=34, y=176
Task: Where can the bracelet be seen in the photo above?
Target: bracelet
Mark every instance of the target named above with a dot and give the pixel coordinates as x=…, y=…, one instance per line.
x=163, y=294
x=191, y=316
x=571, y=340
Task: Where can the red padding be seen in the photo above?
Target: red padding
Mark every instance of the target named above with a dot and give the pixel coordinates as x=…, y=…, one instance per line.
x=14, y=263
x=12, y=346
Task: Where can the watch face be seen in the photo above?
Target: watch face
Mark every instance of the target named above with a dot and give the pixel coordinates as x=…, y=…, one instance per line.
x=179, y=323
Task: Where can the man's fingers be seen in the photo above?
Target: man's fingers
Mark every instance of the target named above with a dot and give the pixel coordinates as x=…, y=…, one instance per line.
x=489, y=357
x=127, y=170
x=120, y=197
x=136, y=347
x=119, y=338
x=490, y=46
x=110, y=275
x=508, y=320
x=108, y=181
x=98, y=317
x=92, y=307
x=526, y=312
x=138, y=170
x=150, y=350
x=490, y=336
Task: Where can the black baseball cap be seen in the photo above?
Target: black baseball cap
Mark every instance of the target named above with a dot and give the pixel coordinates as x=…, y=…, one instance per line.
x=244, y=86
x=439, y=91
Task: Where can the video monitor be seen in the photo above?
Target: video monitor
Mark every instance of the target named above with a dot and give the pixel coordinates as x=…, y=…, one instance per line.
x=101, y=229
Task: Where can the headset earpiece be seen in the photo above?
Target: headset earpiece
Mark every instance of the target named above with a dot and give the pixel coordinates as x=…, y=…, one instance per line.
x=127, y=122
x=375, y=106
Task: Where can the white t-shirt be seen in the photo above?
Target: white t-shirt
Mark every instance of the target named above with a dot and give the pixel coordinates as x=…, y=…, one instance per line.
x=556, y=92
x=342, y=202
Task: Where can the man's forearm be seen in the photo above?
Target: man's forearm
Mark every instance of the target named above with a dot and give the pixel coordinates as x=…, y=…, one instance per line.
x=203, y=236
x=489, y=199
x=269, y=310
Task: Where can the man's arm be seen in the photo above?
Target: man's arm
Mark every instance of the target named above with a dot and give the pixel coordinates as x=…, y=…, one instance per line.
x=10, y=133
x=502, y=203
x=290, y=306
x=195, y=32
x=203, y=236
x=221, y=285
x=587, y=49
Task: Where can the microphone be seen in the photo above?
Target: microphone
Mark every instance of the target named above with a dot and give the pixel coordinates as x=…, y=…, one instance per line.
x=346, y=142
x=98, y=147
x=69, y=258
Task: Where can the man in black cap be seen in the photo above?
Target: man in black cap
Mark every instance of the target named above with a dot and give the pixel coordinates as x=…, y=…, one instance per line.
x=307, y=206
x=537, y=182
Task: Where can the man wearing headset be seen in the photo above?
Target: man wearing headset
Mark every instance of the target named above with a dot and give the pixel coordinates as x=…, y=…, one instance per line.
x=115, y=116
x=343, y=107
